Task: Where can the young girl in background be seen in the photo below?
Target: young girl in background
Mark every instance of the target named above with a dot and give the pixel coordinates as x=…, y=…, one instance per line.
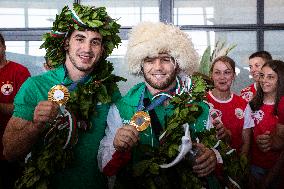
x=264, y=106
x=232, y=110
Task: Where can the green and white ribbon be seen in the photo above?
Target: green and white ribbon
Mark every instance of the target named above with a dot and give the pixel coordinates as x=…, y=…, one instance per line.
x=186, y=147
x=76, y=19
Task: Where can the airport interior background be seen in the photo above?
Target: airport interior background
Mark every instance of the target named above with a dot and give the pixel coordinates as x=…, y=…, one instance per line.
x=251, y=25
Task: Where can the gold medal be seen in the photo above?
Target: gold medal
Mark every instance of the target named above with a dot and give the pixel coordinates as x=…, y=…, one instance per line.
x=141, y=120
x=59, y=94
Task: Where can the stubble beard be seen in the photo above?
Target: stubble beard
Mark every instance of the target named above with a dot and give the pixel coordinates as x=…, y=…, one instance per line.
x=82, y=69
x=163, y=85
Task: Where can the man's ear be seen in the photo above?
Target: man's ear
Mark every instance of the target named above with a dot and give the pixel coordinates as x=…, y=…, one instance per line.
x=103, y=50
x=66, y=44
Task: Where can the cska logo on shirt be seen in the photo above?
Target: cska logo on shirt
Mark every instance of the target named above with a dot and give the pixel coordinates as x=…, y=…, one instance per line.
x=215, y=114
x=257, y=116
x=239, y=113
x=7, y=88
x=247, y=95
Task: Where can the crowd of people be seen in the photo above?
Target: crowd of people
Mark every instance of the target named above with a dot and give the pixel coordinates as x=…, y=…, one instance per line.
x=71, y=128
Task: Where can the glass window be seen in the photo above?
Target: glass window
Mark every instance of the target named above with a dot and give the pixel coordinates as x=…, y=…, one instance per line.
x=30, y=14
x=15, y=14
x=28, y=54
x=213, y=12
x=246, y=45
x=41, y=17
x=273, y=11
x=121, y=68
x=129, y=12
x=202, y=39
x=34, y=49
x=274, y=43
x=15, y=47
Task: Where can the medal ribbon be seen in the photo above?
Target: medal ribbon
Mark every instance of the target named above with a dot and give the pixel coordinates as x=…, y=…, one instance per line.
x=74, y=84
x=72, y=126
x=158, y=98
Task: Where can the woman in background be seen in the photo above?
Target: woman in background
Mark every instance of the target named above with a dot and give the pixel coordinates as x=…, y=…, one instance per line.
x=227, y=107
x=264, y=106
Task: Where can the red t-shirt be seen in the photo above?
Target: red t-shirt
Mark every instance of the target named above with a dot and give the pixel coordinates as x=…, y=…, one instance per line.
x=232, y=114
x=12, y=76
x=264, y=121
x=281, y=111
x=248, y=92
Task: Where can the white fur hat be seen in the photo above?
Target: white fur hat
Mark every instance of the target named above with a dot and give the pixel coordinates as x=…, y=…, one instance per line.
x=148, y=39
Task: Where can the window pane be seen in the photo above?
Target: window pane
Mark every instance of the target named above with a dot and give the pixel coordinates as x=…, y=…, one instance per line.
x=273, y=11
x=246, y=45
x=274, y=43
x=212, y=12
x=15, y=47
x=29, y=14
x=129, y=12
x=121, y=68
x=27, y=54
x=41, y=17
x=34, y=48
x=15, y=14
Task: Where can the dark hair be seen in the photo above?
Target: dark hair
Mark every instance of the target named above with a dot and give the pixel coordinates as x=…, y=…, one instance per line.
x=225, y=59
x=261, y=54
x=2, y=40
x=278, y=67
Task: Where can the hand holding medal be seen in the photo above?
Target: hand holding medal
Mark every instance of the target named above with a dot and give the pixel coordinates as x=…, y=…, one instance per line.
x=60, y=95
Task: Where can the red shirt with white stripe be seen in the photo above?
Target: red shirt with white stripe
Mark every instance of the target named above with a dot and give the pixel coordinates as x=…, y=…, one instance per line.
x=235, y=114
x=264, y=120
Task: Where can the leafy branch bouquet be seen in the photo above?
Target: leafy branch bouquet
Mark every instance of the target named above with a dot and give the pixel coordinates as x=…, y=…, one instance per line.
x=153, y=170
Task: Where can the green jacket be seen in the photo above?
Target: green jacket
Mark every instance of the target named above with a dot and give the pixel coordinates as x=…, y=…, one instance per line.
x=127, y=106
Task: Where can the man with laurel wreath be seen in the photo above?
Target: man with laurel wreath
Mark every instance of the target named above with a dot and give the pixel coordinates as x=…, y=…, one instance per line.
x=60, y=115
x=163, y=55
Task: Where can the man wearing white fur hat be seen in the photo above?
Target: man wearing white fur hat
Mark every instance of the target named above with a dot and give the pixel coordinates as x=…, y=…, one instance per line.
x=163, y=55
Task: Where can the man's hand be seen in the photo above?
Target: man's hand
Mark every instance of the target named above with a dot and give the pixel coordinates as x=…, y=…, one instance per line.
x=45, y=111
x=264, y=141
x=221, y=131
x=125, y=138
x=206, y=162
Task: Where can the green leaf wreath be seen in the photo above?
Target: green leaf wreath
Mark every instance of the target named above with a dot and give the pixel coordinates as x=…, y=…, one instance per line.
x=80, y=18
x=48, y=156
x=147, y=172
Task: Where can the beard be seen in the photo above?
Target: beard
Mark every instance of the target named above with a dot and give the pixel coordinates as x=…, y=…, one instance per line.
x=73, y=60
x=161, y=85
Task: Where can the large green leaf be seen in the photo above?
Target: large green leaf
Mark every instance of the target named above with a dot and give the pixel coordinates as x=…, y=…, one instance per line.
x=205, y=63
